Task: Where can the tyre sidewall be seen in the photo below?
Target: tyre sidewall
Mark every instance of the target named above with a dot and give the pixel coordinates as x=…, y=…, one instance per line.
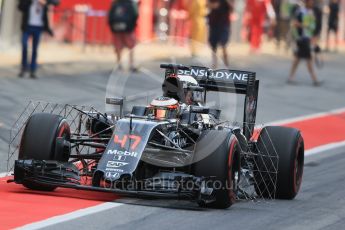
x=219, y=164
x=39, y=141
x=288, y=143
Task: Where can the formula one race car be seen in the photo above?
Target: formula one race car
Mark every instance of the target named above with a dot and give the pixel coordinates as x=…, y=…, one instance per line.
x=175, y=147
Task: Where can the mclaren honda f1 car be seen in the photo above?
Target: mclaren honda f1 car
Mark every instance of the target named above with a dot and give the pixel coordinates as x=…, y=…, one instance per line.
x=175, y=147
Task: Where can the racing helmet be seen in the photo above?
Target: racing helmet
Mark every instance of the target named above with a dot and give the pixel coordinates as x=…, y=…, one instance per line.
x=183, y=89
x=164, y=108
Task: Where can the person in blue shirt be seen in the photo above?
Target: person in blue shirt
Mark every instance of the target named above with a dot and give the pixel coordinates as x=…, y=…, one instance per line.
x=34, y=22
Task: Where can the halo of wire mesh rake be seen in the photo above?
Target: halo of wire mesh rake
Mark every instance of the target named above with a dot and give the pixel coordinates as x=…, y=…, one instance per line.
x=76, y=116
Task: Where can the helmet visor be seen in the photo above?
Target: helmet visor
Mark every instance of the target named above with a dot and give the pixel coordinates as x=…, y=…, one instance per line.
x=160, y=113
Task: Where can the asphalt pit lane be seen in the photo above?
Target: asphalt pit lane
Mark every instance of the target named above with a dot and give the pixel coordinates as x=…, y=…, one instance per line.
x=312, y=164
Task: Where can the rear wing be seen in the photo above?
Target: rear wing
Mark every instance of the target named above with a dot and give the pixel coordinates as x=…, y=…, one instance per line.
x=227, y=81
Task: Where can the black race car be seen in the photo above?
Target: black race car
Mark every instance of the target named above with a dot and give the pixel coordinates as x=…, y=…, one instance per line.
x=175, y=147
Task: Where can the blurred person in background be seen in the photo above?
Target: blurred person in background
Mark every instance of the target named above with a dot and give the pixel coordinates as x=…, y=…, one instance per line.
x=34, y=22
x=318, y=25
x=197, y=12
x=256, y=11
x=304, y=25
x=122, y=19
x=333, y=22
x=219, y=28
x=283, y=10
x=0, y=8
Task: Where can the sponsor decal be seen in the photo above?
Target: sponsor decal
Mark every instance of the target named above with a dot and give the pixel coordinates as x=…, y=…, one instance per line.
x=193, y=72
x=218, y=75
x=163, y=98
x=176, y=138
x=250, y=109
x=133, y=140
x=181, y=142
x=119, y=158
x=122, y=153
x=114, y=170
x=112, y=175
x=115, y=164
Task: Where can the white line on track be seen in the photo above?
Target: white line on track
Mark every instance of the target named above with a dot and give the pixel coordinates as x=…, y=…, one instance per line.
x=70, y=216
x=110, y=205
x=5, y=174
x=323, y=148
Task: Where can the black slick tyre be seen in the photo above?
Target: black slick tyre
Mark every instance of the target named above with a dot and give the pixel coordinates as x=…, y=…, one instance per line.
x=221, y=163
x=288, y=145
x=39, y=142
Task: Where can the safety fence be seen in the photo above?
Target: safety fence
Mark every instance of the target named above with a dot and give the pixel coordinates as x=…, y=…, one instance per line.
x=90, y=27
x=81, y=26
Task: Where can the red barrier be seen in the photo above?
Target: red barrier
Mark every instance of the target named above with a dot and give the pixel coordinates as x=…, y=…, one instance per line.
x=85, y=21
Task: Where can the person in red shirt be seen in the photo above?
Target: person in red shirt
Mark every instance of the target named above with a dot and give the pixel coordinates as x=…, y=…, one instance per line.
x=256, y=11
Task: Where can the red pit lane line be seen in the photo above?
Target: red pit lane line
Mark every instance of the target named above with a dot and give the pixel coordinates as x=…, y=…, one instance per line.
x=20, y=206
x=318, y=131
x=321, y=130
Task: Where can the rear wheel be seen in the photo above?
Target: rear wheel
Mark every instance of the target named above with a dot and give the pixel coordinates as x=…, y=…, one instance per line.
x=44, y=138
x=288, y=145
x=221, y=163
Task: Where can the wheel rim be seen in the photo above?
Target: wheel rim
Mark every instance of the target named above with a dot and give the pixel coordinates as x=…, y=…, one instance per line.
x=298, y=167
x=65, y=134
x=230, y=182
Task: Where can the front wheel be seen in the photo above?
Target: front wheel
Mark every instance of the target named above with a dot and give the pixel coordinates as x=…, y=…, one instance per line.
x=40, y=142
